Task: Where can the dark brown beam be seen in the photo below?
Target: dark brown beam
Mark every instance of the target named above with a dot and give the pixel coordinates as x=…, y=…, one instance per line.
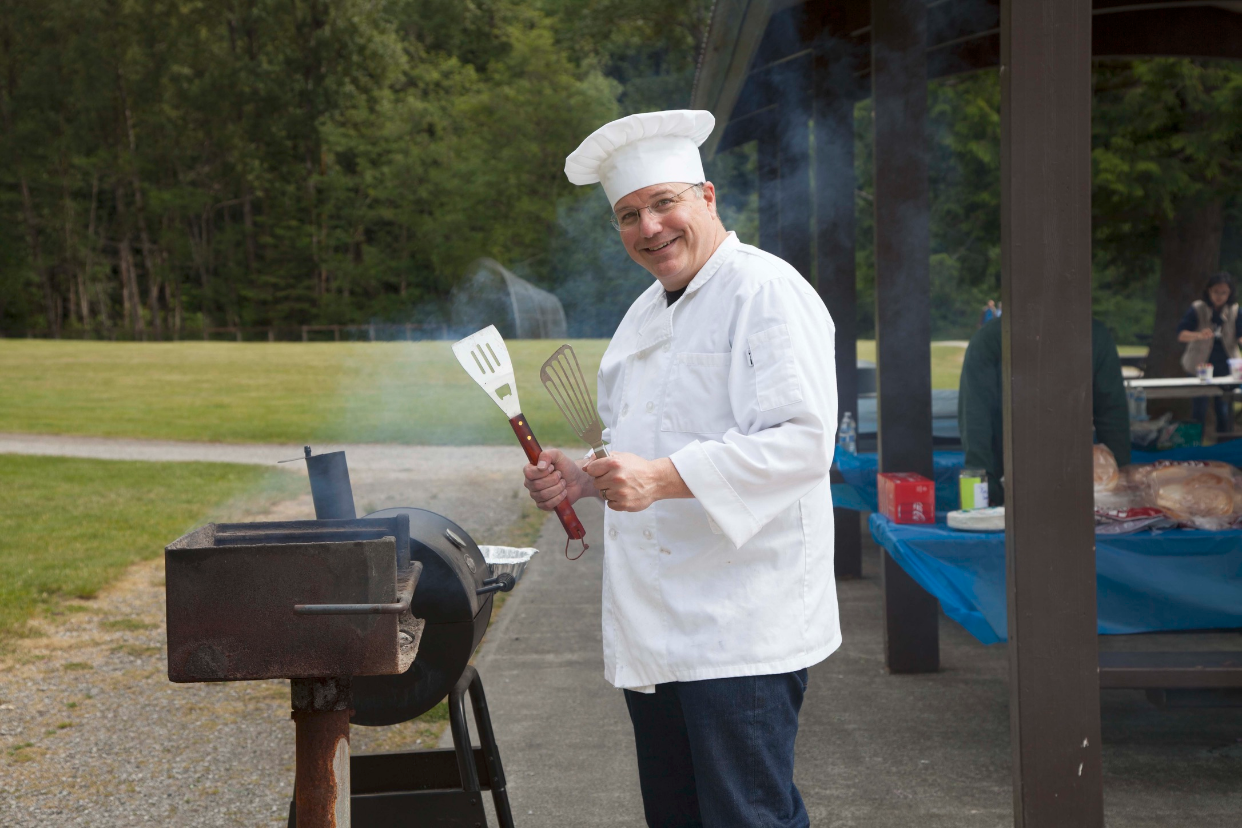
x=835, y=274
x=794, y=114
x=744, y=130
x=1178, y=670
x=769, y=162
x=1202, y=31
x=903, y=298
x=1054, y=683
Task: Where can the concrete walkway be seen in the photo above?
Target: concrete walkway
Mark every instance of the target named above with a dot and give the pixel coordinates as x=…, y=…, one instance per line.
x=563, y=731
x=874, y=750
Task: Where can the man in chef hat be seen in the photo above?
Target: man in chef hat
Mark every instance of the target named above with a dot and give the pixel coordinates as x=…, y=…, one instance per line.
x=718, y=394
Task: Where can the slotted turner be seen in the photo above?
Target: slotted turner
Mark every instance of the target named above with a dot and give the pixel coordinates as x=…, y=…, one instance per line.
x=486, y=359
x=562, y=376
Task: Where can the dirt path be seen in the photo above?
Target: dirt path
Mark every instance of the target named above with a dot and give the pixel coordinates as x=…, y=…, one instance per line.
x=93, y=733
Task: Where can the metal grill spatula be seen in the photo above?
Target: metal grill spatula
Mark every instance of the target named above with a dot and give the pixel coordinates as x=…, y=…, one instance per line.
x=486, y=359
x=562, y=376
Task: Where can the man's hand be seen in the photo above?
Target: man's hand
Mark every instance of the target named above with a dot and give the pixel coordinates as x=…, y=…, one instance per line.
x=628, y=483
x=554, y=478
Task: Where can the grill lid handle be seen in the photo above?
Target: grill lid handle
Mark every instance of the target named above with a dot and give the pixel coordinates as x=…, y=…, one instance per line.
x=504, y=582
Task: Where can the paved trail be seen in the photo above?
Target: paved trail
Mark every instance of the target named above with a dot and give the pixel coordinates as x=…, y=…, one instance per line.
x=371, y=456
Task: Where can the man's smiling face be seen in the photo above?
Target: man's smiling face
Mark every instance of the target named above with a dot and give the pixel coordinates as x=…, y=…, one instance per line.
x=675, y=246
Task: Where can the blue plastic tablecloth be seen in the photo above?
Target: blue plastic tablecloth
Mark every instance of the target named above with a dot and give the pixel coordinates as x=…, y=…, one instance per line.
x=858, y=471
x=1182, y=579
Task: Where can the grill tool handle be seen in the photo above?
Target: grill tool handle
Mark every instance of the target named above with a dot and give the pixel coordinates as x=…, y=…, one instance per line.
x=569, y=520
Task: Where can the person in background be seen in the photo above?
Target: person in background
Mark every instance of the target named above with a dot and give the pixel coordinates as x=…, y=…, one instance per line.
x=1210, y=332
x=979, y=402
x=989, y=313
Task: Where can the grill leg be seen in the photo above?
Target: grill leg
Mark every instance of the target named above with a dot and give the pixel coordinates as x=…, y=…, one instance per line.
x=487, y=738
x=461, y=734
x=321, y=778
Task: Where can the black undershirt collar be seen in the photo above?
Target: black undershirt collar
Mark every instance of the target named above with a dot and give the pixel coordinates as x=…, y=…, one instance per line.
x=672, y=296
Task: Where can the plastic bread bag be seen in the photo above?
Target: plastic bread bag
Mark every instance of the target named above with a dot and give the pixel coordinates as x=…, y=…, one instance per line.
x=1127, y=521
x=1107, y=476
x=1113, y=488
x=1198, y=493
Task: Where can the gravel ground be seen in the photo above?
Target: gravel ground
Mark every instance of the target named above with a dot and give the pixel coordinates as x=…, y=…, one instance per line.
x=93, y=733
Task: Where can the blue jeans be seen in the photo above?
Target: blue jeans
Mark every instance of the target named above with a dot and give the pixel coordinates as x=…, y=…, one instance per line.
x=1199, y=406
x=719, y=753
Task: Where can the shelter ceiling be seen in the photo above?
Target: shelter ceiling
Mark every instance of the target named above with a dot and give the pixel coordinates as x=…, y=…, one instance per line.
x=755, y=47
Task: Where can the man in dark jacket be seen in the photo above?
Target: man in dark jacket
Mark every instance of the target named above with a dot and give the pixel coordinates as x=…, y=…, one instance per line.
x=979, y=402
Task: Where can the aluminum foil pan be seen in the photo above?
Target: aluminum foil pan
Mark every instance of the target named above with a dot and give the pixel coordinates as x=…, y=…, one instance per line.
x=509, y=559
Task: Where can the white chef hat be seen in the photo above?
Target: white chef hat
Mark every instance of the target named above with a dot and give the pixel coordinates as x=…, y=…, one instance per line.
x=640, y=150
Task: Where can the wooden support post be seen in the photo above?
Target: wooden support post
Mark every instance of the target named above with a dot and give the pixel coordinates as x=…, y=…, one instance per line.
x=1054, y=702
x=903, y=296
x=794, y=114
x=835, y=277
x=769, y=160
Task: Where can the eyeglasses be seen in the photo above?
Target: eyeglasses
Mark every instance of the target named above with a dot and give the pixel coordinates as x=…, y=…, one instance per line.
x=628, y=218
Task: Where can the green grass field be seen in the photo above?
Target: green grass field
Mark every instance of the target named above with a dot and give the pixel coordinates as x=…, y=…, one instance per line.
x=380, y=392
x=70, y=526
x=384, y=392
x=946, y=361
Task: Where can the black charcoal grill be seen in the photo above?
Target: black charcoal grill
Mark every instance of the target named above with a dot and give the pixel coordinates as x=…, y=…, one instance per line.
x=374, y=620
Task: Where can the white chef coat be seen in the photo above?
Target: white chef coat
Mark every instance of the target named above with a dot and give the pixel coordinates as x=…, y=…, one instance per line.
x=736, y=383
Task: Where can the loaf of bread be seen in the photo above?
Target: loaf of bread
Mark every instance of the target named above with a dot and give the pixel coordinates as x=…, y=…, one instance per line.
x=1199, y=493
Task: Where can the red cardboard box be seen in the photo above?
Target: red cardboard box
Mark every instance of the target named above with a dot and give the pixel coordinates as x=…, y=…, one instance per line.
x=906, y=497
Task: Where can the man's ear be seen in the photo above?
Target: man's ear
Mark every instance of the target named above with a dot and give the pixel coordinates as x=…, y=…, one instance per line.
x=709, y=195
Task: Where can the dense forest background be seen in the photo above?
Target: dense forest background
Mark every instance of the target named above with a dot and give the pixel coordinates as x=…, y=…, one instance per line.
x=174, y=166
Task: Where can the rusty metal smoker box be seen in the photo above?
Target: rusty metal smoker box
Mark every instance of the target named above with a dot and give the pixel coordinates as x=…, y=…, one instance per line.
x=232, y=590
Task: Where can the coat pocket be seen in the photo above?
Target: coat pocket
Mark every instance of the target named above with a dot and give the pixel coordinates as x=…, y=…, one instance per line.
x=776, y=373
x=696, y=398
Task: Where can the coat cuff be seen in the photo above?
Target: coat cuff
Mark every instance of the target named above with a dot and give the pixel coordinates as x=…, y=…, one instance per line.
x=725, y=508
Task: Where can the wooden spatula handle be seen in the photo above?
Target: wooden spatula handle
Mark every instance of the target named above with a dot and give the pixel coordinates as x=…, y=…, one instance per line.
x=569, y=520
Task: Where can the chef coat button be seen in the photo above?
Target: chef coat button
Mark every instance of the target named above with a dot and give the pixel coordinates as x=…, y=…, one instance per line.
x=648, y=534
x=612, y=533
x=625, y=409
x=668, y=346
x=650, y=407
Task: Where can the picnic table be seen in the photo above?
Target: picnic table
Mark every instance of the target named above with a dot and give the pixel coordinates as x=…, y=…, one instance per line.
x=1183, y=387
x=1181, y=579
x=858, y=491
